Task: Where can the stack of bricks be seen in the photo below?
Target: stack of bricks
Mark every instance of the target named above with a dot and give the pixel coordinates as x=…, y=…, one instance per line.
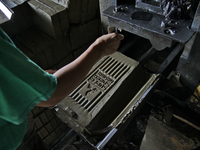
x=52, y=32
x=48, y=126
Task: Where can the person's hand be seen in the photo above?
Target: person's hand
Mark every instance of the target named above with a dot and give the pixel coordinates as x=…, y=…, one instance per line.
x=50, y=71
x=108, y=43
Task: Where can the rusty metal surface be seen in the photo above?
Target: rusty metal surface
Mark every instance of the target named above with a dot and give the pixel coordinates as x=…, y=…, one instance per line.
x=160, y=136
x=152, y=29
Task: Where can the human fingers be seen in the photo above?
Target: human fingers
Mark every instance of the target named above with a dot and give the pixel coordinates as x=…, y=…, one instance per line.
x=50, y=71
x=115, y=36
x=119, y=36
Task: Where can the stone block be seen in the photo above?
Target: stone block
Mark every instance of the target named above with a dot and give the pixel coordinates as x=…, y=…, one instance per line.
x=42, y=49
x=80, y=11
x=50, y=17
x=38, y=47
x=79, y=51
x=54, y=123
x=90, y=10
x=64, y=61
x=84, y=33
x=49, y=128
x=14, y=3
x=38, y=123
x=74, y=11
x=63, y=48
x=48, y=140
x=44, y=132
x=21, y=20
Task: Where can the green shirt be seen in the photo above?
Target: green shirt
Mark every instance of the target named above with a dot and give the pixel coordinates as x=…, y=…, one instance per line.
x=23, y=84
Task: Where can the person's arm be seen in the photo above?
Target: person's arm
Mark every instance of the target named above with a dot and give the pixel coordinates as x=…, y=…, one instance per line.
x=71, y=75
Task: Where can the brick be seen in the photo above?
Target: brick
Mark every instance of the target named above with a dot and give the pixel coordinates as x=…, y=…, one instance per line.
x=50, y=114
x=63, y=48
x=21, y=20
x=45, y=50
x=24, y=49
x=74, y=10
x=63, y=127
x=64, y=3
x=43, y=132
x=38, y=123
x=35, y=111
x=49, y=128
x=58, y=131
x=54, y=123
x=64, y=61
x=12, y=4
x=79, y=51
x=53, y=135
x=82, y=34
x=90, y=10
x=40, y=135
x=80, y=11
x=46, y=17
x=43, y=118
x=49, y=140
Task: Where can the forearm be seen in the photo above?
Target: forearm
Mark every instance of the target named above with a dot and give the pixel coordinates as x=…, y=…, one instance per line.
x=71, y=75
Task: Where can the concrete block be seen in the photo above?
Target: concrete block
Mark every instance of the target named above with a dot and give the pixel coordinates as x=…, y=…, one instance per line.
x=54, y=135
x=35, y=40
x=42, y=49
x=49, y=128
x=24, y=49
x=54, y=123
x=22, y=17
x=40, y=135
x=37, y=110
x=82, y=34
x=48, y=140
x=44, y=132
x=90, y=10
x=43, y=118
x=45, y=51
x=79, y=51
x=46, y=17
x=64, y=3
x=64, y=61
x=14, y=3
x=41, y=61
x=38, y=123
x=21, y=20
x=63, y=127
x=50, y=114
x=74, y=11
x=68, y=59
x=63, y=48
x=80, y=11
x=58, y=131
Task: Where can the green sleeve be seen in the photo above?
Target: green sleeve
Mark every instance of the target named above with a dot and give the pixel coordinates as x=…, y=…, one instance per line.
x=23, y=84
